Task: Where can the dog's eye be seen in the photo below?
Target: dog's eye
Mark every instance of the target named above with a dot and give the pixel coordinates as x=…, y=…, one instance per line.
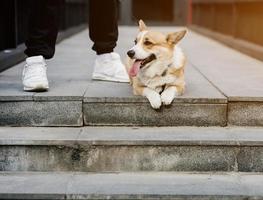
x=147, y=43
x=135, y=41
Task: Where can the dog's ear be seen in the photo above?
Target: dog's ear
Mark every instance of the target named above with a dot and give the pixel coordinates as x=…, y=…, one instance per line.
x=174, y=38
x=142, y=26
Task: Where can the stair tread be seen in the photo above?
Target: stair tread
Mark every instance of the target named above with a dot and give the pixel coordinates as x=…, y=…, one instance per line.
x=247, y=136
x=126, y=185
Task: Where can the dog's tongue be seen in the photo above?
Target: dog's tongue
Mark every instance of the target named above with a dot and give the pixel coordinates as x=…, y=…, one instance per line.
x=135, y=68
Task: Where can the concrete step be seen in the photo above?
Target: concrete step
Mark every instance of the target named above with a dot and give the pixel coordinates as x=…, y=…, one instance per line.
x=224, y=87
x=114, y=104
x=111, y=149
x=176, y=186
x=75, y=103
x=75, y=100
x=238, y=76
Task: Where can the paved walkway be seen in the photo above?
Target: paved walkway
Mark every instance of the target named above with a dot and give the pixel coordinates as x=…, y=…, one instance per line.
x=223, y=87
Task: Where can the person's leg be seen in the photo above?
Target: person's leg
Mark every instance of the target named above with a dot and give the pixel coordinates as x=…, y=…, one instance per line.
x=103, y=27
x=42, y=27
x=41, y=40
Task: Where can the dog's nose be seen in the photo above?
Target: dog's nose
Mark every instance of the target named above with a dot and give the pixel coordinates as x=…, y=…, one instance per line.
x=131, y=53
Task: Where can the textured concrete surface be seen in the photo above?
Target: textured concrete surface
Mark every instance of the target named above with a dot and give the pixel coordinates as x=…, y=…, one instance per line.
x=177, y=186
x=245, y=113
x=120, y=158
x=237, y=75
x=131, y=149
x=40, y=113
x=141, y=114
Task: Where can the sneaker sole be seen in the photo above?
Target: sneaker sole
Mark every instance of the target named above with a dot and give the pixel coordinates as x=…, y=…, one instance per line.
x=111, y=79
x=36, y=89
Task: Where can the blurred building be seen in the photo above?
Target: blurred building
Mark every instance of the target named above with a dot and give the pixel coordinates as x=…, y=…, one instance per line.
x=237, y=23
x=157, y=12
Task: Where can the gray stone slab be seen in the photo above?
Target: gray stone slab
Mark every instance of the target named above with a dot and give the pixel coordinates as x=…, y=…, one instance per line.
x=198, y=90
x=118, y=158
x=137, y=136
x=237, y=75
x=63, y=90
x=38, y=136
x=200, y=136
x=154, y=158
x=34, y=185
x=177, y=186
x=253, y=187
x=157, y=184
x=39, y=158
x=253, y=156
x=141, y=114
x=131, y=149
x=245, y=113
x=32, y=113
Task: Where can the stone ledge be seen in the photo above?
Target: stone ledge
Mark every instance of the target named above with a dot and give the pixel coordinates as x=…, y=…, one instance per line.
x=143, y=149
x=245, y=113
x=132, y=136
x=32, y=113
x=143, y=115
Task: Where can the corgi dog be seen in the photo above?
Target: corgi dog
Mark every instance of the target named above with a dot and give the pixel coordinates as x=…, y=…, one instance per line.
x=156, y=66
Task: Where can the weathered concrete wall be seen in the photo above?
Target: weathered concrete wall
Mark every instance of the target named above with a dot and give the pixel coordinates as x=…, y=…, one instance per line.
x=131, y=158
x=245, y=113
x=45, y=113
x=142, y=114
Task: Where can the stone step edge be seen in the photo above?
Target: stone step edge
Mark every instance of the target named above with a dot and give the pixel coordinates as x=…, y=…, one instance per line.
x=85, y=100
x=29, y=185
x=130, y=136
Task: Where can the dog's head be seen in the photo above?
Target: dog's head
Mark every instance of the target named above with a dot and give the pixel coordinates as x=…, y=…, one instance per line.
x=152, y=47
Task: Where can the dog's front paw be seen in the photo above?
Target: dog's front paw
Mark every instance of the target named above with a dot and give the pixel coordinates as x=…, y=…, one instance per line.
x=168, y=96
x=155, y=100
x=153, y=97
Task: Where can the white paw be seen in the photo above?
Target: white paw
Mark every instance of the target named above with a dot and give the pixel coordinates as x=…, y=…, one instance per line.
x=155, y=100
x=168, y=96
x=153, y=97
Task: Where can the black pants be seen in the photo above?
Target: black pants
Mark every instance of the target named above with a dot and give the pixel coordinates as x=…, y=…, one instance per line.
x=43, y=26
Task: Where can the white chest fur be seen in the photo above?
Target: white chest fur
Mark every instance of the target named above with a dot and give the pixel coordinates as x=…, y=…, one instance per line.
x=157, y=81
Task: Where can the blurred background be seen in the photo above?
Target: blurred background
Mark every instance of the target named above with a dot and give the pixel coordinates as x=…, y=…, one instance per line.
x=237, y=23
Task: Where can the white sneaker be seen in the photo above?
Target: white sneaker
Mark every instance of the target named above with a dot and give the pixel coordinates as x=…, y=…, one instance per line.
x=108, y=67
x=35, y=74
